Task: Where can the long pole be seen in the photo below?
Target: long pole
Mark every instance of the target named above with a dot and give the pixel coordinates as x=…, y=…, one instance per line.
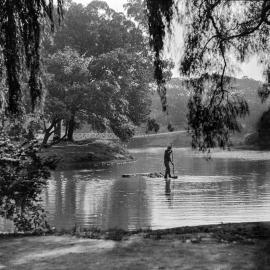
x=173, y=178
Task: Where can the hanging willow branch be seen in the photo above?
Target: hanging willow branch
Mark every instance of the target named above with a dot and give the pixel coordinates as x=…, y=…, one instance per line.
x=20, y=28
x=160, y=15
x=214, y=31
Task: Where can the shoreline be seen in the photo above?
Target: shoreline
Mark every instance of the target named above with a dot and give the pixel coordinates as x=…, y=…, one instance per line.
x=101, y=153
x=243, y=245
x=224, y=231
x=224, y=246
x=86, y=154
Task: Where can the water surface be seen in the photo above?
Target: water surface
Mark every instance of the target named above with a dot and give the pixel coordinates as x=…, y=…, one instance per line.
x=230, y=187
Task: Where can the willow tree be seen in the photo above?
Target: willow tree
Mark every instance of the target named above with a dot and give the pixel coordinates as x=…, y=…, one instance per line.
x=216, y=32
x=21, y=25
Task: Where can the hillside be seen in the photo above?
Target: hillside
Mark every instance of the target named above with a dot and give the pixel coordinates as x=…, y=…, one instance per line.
x=178, y=94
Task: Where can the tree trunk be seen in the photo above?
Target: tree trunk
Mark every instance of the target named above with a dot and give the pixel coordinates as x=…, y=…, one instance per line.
x=47, y=133
x=66, y=129
x=46, y=137
x=57, y=131
x=71, y=126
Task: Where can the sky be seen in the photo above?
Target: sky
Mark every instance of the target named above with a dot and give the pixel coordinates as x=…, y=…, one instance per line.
x=114, y=4
x=250, y=69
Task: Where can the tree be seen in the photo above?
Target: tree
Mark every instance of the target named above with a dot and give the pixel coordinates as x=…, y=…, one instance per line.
x=3, y=88
x=131, y=72
x=136, y=9
x=96, y=29
x=55, y=112
x=120, y=68
x=109, y=91
x=215, y=30
x=68, y=90
x=20, y=25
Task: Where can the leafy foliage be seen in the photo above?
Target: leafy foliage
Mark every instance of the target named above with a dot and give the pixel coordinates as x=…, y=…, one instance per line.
x=23, y=175
x=68, y=89
x=130, y=74
x=159, y=19
x=136, y=9
x=212, y=117
x=20, y=25
x=111, y=90
x=214, y=31
x=97, y=29
x=152, y=125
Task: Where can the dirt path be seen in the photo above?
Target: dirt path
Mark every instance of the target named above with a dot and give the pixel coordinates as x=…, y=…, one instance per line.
x=135, y=252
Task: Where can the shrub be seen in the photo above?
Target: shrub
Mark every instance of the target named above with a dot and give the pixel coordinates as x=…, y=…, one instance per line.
x=23, y=176
x=152, y=125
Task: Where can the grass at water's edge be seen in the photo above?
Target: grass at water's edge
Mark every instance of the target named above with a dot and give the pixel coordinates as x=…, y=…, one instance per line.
x=227, y=233
x=86, y=154
x=231, y=232
x=97, y=153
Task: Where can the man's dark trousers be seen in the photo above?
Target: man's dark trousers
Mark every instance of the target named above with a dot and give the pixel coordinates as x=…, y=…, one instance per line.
x=167, y=170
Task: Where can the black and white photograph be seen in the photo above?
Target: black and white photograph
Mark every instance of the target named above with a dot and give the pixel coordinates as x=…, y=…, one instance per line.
x=134, y=134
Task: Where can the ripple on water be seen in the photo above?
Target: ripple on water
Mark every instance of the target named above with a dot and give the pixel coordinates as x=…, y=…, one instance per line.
x=199, y=178
x=251, y=155
x=224, y=189
x=207, y=178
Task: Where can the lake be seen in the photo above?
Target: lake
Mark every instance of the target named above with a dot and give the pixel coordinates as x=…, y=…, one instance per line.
x=233, y=186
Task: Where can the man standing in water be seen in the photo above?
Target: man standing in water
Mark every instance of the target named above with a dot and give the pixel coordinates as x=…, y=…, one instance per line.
x=167, y=160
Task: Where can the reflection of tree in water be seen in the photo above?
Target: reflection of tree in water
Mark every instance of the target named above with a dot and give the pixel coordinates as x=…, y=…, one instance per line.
x=90, y=206
x=211, y=190
x=248, y=177
x=252, y=182
x=65, y=200
x=129, y=205
x=73, y=202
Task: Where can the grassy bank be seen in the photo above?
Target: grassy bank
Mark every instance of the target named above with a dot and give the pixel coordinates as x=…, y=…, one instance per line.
x=183, y=139
x=86, y=154
x=227, y=246
x=91, y=152
x=231, y=232
x=176, y=138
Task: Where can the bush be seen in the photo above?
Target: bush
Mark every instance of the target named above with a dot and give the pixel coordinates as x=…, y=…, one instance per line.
x=152, y=125
x=124, y=131
x=23, y=176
